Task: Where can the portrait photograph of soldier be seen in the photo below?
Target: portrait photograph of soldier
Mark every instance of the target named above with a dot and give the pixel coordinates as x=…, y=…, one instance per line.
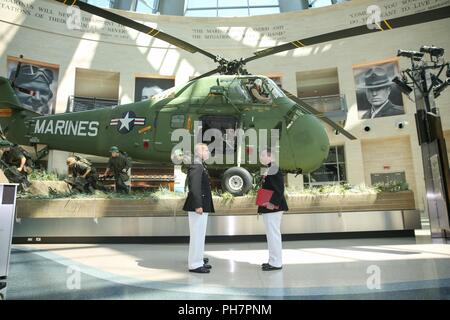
x=36, y=85
x=376, y=95
x=145, y=88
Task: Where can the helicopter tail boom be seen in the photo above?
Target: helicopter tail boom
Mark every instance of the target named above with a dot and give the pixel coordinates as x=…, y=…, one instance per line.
x=12, y=113
x=8, y=98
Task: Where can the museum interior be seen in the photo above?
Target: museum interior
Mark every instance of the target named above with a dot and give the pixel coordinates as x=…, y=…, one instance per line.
x=352, y=93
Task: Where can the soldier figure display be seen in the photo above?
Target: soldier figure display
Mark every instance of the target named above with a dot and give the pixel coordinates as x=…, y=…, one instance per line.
x=84, y=177
x=119, y=165
x=14, y=164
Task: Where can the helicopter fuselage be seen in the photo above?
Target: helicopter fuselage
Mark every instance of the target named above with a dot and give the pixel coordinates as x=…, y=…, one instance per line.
x=149, y=130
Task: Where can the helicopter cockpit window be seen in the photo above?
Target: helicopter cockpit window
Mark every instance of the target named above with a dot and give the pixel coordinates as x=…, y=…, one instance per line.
x=273, y=89
x=237, y=93
x=258, y=90
x=169, y=93
x=177, y=121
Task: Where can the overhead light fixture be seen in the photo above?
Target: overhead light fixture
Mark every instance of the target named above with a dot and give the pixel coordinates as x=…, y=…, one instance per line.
x=401, y=124
x=433, y=51
x=441, y=87
x=402, y=86
x=435, y=81
x=410, y=54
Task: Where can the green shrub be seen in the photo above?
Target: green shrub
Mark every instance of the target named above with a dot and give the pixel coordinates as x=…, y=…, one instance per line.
x=165, y=193
x=332, y=189
x=392, y=186
x=227, y=196
x=161, y=193
x=43, y=175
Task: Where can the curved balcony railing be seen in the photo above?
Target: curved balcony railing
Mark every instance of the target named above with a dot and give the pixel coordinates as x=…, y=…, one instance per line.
x=75, y=104
x=332, y=106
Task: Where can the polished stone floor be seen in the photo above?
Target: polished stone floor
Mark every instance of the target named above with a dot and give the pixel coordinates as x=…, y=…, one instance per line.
x=387, y=268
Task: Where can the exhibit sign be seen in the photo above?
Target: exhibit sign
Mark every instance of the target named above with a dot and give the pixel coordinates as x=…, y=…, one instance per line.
x=180, y=179
x=7, y=214
x=245, y=32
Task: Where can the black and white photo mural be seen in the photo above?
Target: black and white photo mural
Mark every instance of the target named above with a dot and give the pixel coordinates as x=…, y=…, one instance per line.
x=376, y=94
x=145, y=88
x=36, y=84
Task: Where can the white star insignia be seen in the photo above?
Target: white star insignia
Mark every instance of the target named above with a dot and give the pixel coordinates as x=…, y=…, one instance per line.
x=125, y=122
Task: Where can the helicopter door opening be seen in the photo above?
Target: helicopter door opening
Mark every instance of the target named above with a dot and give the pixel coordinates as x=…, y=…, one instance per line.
x=221, y=123
x=167, y=120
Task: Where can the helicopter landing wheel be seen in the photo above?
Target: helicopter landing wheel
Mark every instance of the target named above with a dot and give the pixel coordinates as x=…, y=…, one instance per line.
x=237, y=181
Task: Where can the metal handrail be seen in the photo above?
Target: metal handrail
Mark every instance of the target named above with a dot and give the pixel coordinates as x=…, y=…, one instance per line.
x=339, y=99
x=88, y=103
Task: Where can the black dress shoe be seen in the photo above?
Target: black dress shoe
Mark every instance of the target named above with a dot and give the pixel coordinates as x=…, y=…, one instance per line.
x=268, y=267
x=200, y=270
x=265, y=265
x=207, y=266
x=205, y=260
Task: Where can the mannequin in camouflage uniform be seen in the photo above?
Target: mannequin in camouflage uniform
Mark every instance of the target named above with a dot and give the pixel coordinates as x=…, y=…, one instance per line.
x=84, y=175
x=14, y=162
x=119, y=165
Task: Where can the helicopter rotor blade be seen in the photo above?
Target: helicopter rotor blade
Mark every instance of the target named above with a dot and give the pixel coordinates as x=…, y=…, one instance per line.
x=206, y=74
x=137, y=26
x=319, y=115
x=385, y=25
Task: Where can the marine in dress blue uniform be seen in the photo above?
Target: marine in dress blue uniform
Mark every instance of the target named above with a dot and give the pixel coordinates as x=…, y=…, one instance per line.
x=198, y=204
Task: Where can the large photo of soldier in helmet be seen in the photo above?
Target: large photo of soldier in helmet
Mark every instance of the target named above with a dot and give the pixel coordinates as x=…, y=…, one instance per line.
x=376, y=95
x=145, y=88
x=36, y=85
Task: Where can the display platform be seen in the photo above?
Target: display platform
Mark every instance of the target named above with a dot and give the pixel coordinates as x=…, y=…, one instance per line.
x=220, y=227
x=151, y=219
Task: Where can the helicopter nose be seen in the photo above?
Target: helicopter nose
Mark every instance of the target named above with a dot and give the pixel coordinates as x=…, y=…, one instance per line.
x=308, y=142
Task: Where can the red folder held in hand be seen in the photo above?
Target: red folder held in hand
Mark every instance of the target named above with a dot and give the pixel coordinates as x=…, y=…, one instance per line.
x=263, y=196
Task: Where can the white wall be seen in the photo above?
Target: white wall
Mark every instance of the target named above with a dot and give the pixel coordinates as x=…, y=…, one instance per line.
x=113, y=48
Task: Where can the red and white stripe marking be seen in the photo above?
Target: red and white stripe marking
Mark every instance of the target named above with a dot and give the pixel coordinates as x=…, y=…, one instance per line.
x=139, y=121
